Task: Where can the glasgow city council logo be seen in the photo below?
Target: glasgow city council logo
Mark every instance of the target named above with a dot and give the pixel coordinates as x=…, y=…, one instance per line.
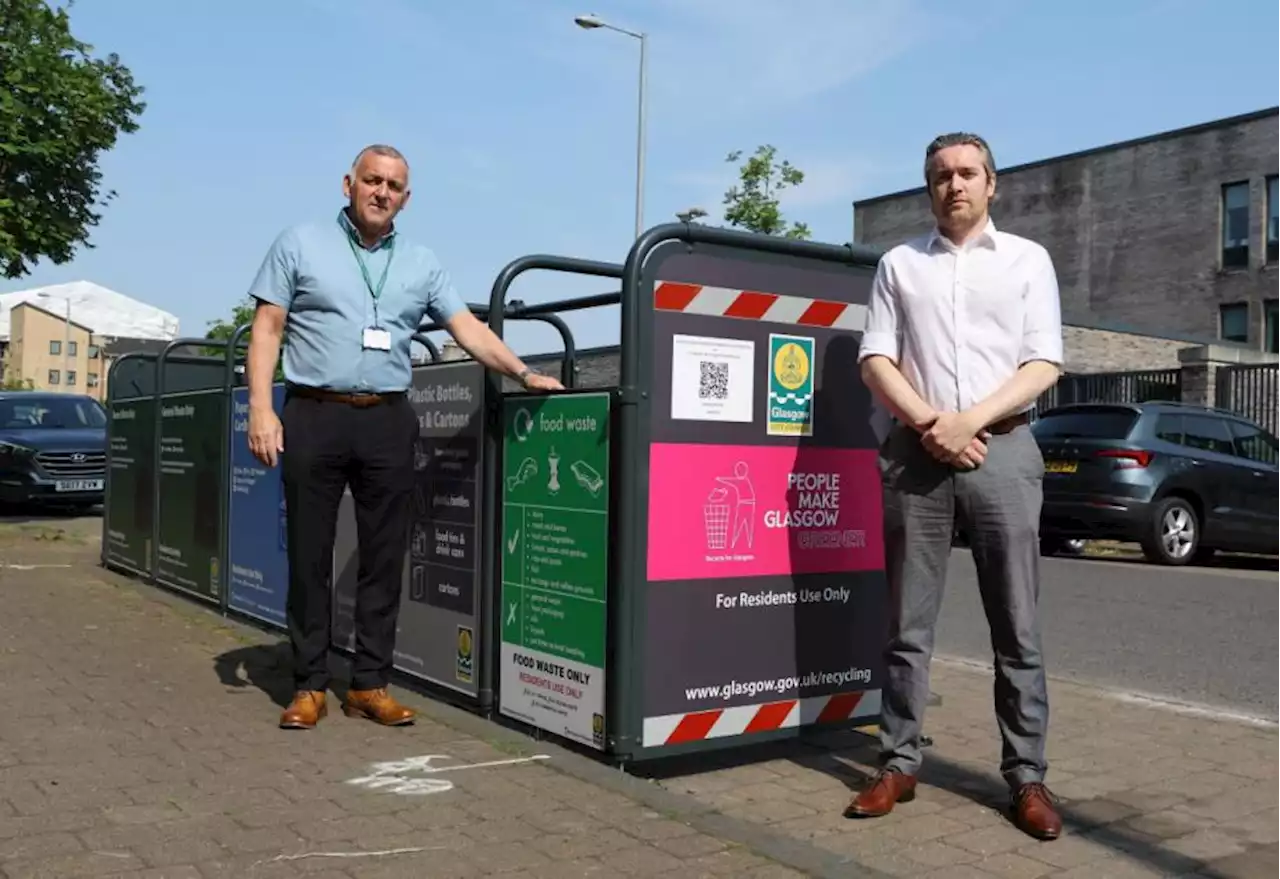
x=790, y=402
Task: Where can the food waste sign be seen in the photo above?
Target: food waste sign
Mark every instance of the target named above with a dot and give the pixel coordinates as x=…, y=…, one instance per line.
x=555, y=563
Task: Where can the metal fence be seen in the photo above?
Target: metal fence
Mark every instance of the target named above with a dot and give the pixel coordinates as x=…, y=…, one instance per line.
x=1113, y=387
x=1249, y=391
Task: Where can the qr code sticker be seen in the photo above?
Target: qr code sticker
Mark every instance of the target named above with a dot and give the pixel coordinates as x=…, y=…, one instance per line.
x=713, y=380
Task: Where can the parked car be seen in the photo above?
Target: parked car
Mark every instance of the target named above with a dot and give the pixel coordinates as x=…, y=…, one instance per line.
x=53, y=448
x=1180, y=480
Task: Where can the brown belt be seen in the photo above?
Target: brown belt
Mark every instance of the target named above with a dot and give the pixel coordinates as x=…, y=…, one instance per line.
x=1009, y=422
x=361, y=400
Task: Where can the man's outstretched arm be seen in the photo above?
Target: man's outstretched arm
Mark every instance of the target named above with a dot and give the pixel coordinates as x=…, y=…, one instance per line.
x=483, y=344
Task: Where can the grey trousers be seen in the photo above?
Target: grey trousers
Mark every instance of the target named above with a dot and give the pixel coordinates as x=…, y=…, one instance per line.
x=998, y=507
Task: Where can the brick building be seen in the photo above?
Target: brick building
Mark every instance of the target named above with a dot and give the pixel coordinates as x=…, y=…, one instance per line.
x=1175, y=233
x=65, y=337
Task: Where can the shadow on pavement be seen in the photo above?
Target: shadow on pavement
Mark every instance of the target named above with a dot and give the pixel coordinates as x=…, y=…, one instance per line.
x=838, y=755
x=32, y=513
x=265, y=666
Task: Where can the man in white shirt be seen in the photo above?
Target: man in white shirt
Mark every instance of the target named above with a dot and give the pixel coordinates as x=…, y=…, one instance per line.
x=964, y=333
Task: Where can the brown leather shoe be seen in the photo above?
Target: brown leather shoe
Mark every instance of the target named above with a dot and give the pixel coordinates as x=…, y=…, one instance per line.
x=1034, y=812
x=886, y=790
x=377, y=705
x=305, y=711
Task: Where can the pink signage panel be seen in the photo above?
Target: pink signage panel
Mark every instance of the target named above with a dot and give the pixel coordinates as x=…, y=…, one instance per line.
x=742, y=511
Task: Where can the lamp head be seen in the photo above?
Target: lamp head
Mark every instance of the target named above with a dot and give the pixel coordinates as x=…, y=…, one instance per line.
x=589, y=22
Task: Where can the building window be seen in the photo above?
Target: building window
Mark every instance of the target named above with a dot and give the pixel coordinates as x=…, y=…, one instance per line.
x=1273, y=217
x=1235, y=226
x=1233, y=322
x=91, y=379
x=93, y=352
x=71, y=376
x=1270, y=332
x=72, y=349
x=55, y=347
x=55, y=377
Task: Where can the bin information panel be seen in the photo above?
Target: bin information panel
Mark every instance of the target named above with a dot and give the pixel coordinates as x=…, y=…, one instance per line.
x=127, y=519
x=765, y=602
x=437, y=633
x=257, y=565
x=555, y=564
x=192, y=427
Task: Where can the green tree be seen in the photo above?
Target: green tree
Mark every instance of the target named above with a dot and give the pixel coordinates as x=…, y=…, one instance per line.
x=221, y=330
x=14, y=382
x=60, y=109
x=753, y=203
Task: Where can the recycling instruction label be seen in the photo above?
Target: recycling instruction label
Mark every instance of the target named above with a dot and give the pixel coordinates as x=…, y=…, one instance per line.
x=555, y=565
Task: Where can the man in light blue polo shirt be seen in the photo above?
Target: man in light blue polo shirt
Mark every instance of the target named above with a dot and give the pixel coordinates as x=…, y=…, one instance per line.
x=350, y=292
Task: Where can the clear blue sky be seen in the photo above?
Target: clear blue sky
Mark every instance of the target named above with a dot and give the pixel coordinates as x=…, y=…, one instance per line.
x=520, y=127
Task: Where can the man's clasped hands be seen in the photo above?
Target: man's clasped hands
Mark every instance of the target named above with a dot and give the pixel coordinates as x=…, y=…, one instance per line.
x=956, y=438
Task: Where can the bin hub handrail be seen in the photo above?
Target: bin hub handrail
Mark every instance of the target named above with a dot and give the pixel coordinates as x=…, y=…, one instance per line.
x=154, y=357
x=517, y=311
x=425, y=342
x=515, y=268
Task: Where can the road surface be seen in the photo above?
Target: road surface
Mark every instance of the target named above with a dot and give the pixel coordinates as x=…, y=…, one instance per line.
x=1199, y=635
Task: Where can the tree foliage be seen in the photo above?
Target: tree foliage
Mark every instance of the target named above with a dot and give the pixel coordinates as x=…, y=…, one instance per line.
x=14, y=382
x=753, y=203
x=221, y=330
x=60, y=109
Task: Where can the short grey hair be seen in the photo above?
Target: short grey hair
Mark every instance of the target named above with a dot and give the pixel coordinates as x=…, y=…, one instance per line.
x=960, y=138
x=378, y=149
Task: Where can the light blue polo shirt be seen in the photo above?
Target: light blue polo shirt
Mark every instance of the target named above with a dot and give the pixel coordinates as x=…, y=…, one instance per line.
x=311, y=272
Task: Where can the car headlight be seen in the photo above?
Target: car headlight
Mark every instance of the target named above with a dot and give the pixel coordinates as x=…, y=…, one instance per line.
x=14, y=452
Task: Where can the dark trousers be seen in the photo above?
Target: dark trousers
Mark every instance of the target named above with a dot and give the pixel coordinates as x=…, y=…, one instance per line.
x=329, y=445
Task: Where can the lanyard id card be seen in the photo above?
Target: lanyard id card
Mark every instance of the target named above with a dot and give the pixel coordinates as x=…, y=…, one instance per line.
x=376, y=339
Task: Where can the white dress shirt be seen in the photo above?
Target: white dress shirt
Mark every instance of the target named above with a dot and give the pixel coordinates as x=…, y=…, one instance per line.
x=960, y=321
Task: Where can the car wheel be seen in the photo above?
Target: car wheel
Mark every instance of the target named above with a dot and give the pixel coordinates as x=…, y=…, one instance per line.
x=1173, y=535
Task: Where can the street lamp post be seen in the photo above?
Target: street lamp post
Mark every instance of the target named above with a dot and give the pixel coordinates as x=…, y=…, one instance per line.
x=591, y=22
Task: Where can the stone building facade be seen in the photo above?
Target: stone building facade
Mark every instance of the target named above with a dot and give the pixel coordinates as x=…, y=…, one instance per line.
x=1175, y=233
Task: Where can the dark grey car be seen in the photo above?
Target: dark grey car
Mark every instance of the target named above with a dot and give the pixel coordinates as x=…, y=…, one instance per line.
x=1180, y=480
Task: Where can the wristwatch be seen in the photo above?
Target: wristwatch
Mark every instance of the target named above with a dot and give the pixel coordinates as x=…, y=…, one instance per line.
x=523, y=376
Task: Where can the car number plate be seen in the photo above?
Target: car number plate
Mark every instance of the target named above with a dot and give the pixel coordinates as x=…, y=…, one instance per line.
x=78, y=485
x=1060, y=466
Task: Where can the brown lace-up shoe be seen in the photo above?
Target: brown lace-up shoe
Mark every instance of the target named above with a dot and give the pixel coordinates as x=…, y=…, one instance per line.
x=305, y=711
x=377, y=705
x=1034, y=811
x=886, y=790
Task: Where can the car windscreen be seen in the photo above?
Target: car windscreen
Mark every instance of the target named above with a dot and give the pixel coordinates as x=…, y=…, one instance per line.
x=51, y=413
x=1086, y=423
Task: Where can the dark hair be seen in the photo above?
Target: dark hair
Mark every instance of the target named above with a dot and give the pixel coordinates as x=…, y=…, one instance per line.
x=959, y=138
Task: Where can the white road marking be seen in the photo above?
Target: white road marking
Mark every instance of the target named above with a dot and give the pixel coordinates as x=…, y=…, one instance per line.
x=395, y=776
x=1147, y=700
x=378, y=854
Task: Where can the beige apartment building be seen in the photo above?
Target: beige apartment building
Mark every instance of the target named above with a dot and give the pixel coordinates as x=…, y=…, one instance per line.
x=64, y=337
x=46, y=352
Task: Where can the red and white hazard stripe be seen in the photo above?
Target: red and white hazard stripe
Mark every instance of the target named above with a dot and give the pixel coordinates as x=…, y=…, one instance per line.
x=714, y=723
x=758, y=305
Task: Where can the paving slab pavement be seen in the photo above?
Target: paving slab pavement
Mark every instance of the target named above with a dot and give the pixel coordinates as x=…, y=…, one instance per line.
x=1144, y=791
x=140, y=740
